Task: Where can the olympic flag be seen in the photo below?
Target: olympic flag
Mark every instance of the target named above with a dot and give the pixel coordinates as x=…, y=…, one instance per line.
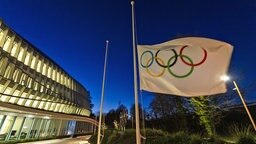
x=189, y=66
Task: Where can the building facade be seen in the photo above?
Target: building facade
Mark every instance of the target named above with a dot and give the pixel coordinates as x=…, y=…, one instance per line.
x=37, y=97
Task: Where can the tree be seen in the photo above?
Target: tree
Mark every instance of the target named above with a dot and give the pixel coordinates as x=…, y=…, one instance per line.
x=142, y=113
x=165, y=108
x=123, y=117
x=208, y=111
x=132, y=111
x=90, y=101
x=114, y=115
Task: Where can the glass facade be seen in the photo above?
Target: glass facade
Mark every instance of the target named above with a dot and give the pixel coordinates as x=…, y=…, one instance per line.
x=18, y=128
x=30, y=79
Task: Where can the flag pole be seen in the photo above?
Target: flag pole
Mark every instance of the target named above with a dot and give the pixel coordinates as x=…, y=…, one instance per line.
x=245, y=106
x=137, y=121
x=102, y=93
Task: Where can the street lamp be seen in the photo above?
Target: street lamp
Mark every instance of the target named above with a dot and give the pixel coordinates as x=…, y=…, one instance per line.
x=227, y=78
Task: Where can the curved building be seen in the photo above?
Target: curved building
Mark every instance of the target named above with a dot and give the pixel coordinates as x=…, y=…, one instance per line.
x=37, y=97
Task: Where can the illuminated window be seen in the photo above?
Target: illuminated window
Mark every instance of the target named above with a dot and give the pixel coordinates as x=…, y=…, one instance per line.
x=69, y=83
x=54, y=74
x=39, y=65
x=20, y=54
x=53, y=106
x=16, y=128
x=28, y=103
x=49, y=72
x=8, y=91
x=35, y=104
x=26, y=128
x=7, y=73
x=42, y=89
x=4, y=97
x=33, y=63
x=1, y=34
x=57, y=107
x=41, y=105
x=27, y=58
x=16, y=75
x=47, y=105
x=66, y=81
x=7, y=43
x=20, y=102
x=58, y=77
x=16, y=93
x=62, y=108
x=30, y=83
x=44, y=69
x=7, y=125
x=23, y=79
x=14, y=49
x=61, y=79
x=36, y=86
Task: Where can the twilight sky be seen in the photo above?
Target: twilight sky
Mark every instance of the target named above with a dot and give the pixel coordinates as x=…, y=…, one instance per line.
x=73, y=33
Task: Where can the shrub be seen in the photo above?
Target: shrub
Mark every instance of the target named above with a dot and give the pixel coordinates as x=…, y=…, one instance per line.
x=243, y=134
x=158, y=140
x=129, y=137
x=179, y=138
x=155, y=132
x=250, y=139
x=195, y=139
x=237, y=130
x=111, y=137
x=154, y=136
x=214, y=139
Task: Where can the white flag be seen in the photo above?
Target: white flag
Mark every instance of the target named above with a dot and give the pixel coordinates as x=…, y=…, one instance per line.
x=189, y=66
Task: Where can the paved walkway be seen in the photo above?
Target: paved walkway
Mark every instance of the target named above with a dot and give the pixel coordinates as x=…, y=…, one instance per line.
x=77, y=140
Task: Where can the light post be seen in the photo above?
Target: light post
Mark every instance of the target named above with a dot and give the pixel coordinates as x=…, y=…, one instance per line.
x=227, y=78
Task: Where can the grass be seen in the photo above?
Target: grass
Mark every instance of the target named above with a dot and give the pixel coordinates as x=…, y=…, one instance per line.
x=237, y=134
x=157, y=136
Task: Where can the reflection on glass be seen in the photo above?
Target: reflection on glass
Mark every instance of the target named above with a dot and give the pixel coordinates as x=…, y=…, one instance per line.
x=16, y=128
x=7, y=124
x=25, y=128
x=43, y=131
x=35, y=127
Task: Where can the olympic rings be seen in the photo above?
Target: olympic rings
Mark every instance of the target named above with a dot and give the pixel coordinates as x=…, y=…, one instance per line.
x=147, y=65
x=156, y=75
x=202, y=61
x=171, y=62
x=169, y=65
x=181, y=76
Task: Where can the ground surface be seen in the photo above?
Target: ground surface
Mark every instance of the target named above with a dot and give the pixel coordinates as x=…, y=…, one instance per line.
x=77, y=140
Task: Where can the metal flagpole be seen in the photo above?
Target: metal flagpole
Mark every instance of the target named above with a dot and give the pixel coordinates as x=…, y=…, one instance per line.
x=245, y=106
x=102, y=93
x=137, y=121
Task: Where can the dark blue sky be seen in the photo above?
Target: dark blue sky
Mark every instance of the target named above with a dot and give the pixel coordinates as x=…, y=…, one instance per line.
x=73, y=33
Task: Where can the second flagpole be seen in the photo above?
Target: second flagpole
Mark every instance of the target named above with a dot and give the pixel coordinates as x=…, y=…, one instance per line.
x=102, y=93
x=137, y=120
